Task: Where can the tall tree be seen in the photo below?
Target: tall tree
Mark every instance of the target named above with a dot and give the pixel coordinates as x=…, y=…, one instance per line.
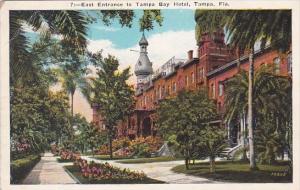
x=269, y=97
x=111, y=92
x=185, y=116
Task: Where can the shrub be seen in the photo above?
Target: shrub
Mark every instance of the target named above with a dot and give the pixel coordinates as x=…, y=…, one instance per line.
x=142, y=147
x=21, y=167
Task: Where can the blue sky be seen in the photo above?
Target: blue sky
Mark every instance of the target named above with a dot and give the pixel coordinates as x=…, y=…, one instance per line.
x=174, y=20
x=175, y=37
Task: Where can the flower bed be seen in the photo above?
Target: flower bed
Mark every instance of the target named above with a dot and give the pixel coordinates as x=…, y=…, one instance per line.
x=97, y=171
x=68, y=156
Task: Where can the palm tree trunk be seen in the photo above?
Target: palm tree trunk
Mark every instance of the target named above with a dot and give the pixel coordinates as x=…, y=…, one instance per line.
x=250, y=111
x=72, y=103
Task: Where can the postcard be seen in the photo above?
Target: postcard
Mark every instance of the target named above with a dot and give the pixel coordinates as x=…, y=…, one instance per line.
x=149, y=94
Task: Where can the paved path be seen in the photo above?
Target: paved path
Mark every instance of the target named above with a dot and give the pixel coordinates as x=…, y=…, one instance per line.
x=49, y=171
x=159, y=170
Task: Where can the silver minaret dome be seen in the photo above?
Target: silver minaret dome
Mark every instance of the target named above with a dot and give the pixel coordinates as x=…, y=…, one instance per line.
x=143, y=67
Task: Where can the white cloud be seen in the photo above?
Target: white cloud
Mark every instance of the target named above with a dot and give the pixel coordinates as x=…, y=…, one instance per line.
x=161, y=48
x=106, y=28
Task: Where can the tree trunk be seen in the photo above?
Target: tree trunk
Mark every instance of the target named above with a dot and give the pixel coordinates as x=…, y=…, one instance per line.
x=72, y=103
x=243, y=126
x=186, y=163
x=212, y=165
x=250, y=112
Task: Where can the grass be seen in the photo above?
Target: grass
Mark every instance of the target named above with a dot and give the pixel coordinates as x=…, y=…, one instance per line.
x=239, y=172
x=107, y=157
x=77, y=174
x=63, y=161
x=148, y=160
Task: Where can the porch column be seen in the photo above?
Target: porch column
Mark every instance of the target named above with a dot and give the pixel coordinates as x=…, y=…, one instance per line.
x=228, y=131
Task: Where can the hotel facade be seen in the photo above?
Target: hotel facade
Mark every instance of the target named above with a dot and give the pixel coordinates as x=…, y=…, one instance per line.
x=210, y=67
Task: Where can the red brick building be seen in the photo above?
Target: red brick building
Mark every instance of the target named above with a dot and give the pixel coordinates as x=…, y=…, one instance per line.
x=213, y=64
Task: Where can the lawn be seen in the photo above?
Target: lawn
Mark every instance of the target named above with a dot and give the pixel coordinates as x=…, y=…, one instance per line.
x=239, y=172
x=77, y=174
x=148, y=160
x=107, y=157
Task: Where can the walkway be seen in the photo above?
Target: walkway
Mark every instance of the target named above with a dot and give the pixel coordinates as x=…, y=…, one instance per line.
x=159, y=170
x=48, y=171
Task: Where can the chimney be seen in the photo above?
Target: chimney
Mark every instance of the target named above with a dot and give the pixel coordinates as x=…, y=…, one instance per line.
x=190, y=54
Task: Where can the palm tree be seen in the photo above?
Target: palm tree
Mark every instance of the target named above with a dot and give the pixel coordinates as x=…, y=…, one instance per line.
x=72, y=77
x=72, y=25
x=268, y=94
x=244, y=29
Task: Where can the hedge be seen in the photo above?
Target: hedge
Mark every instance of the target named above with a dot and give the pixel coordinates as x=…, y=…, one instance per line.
x=21, y=167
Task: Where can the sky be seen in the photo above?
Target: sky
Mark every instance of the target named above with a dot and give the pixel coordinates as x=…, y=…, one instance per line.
x=175, y=37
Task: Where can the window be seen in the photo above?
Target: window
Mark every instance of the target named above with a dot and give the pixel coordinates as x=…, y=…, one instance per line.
x=159, y=92
x=163, y=92
x=213, y=90
x=276, y=65
x=193, y=77
x=200, y=73
x=221, y=88
x=186, y=80
x=289, y=63
x=174, y=86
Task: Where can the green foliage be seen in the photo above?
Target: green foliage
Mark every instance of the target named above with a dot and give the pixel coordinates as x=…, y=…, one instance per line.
x=150, y=16
x=142, y=150
x=245, y=27
x=272, y=110
x=87, y=135
x=20, y=168
x=184, y=117
x=111, y=92
x=46, y=122
x=212, y=143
